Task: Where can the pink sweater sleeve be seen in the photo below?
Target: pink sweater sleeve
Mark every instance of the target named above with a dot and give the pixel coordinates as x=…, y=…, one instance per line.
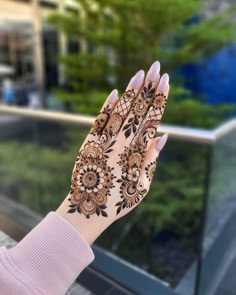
x=46, y=261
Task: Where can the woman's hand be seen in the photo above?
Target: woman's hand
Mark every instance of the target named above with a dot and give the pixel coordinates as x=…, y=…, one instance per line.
x=115, y=165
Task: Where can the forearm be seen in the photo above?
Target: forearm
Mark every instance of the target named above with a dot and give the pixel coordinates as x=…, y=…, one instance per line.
x=47, y=260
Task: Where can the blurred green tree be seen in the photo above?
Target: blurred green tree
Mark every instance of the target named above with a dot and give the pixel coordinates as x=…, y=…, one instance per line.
x=116, y=37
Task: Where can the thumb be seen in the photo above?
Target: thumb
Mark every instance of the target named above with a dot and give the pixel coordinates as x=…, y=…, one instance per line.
x=149, y=163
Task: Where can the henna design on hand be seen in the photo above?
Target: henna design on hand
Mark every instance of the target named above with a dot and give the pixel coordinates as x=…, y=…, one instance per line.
x=131, y=189
x=92, y=179
x=150, y=170
x=121, y=110
x=131, y=160
x=139, y=109
x=101, y=121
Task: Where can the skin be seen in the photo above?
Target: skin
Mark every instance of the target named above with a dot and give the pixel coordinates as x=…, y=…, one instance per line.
x=115, y=165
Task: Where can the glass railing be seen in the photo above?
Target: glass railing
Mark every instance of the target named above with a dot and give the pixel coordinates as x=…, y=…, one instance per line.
x=162, y=237
x=218, y=259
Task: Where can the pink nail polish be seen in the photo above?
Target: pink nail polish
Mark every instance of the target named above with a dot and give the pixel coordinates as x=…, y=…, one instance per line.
x=138, y=79
x=164, y=82
x=113, y=96
x=161, y=142
x=154, y=71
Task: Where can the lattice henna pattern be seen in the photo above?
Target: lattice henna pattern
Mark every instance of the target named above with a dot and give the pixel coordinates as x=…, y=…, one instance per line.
x=121, y=110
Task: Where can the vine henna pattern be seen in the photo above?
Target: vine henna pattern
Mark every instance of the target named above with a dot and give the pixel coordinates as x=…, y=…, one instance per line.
x=131, y=189
x=139, y=109
x=92, y=179
x=131, y=160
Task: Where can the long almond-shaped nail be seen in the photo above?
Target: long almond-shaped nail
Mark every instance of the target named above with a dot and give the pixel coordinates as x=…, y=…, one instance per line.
x=164, y=82
x=154, y=71
x=113, y=96
x=161, y=142
x=138, y=79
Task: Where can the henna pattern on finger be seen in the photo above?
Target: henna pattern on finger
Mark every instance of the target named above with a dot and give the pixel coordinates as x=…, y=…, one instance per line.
x=92, y=179
x=148, y=130
x=121, y=110
x=131, y=189
x=139, y=109
x=100, y=121
x=150, y=170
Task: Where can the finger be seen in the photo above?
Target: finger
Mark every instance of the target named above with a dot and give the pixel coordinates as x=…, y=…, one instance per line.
x=142, y=103
x=149, y=163
x=137, y=175
x=123, y=106
x=103, y=117
x=148, y=129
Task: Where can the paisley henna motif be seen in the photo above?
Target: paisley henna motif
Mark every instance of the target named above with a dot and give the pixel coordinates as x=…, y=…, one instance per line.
x=92, y=180
x=131, y=189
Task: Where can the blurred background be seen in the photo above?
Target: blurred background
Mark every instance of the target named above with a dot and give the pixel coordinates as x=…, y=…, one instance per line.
x=66, y=56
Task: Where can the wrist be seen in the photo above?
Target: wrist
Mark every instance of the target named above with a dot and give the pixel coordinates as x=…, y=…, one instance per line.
x=89, y=228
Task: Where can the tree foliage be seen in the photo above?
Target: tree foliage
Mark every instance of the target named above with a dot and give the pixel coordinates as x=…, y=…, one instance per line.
x=117, y=37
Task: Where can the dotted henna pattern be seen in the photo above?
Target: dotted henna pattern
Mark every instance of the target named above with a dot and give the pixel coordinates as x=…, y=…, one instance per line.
x=150, y=170
x=92, y=180
x=149, y=108
x=131, y=189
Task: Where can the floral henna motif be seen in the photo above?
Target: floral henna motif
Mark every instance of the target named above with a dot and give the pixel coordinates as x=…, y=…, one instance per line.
x=149, y=129
x=150, y=170
x=123, y=107
x=92, y=180
x=131, y=189
x=149, y=109
x=100, y=121
x=139, y=109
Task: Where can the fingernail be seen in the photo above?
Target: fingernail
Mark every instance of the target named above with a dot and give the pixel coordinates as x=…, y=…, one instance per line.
x=138, y=79
x=113, y=96
x=164, y=82
x=154, y=71
x=161, y=142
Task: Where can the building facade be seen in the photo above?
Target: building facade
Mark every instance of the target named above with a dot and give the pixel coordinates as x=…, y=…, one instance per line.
x=28, y=44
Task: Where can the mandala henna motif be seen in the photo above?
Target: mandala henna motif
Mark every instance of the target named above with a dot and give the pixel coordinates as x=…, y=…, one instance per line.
x=92, y=180
x=139, y=109
x=131, y=189
x=150, y=170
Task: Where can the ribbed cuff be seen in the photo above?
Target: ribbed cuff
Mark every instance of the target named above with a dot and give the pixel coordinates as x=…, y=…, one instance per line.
x=52, y=255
